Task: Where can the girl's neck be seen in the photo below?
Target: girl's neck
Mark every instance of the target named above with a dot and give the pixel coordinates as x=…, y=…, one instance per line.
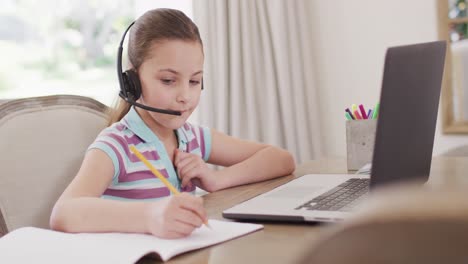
x=164, y=134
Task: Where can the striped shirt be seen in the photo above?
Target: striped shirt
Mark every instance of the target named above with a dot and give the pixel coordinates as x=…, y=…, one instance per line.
x=132, y=180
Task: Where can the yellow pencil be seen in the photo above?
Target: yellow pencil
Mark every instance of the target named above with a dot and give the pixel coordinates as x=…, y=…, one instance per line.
x=158, y=175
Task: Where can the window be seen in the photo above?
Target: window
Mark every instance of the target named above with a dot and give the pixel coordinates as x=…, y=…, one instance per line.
x=66, y=47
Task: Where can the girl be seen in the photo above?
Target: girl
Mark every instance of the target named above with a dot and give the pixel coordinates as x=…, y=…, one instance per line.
x=166, y=55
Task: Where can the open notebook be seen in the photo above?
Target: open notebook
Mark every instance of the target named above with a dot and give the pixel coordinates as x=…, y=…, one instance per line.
x=35, y=245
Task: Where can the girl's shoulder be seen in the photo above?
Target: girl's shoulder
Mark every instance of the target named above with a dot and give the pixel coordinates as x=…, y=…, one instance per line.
x=118, y=133
x=192, y=131
x=191, y=126
x=195, y=139
x=116, y=128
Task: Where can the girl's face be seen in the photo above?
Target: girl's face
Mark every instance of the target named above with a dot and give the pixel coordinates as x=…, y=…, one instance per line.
x=171, y=79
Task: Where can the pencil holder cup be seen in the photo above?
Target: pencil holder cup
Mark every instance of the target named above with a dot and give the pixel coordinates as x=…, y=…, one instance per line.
x=360, y=137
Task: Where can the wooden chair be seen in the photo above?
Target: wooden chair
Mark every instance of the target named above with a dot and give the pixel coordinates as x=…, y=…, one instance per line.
x=403, y=225
x=42, y=141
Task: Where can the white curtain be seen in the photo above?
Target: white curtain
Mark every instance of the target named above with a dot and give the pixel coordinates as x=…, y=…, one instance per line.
x=259, y=75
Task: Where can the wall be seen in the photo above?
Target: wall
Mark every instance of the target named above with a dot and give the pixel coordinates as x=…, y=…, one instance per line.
x=351, y=38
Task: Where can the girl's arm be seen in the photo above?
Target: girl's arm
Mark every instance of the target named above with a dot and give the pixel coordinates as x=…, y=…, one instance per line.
x=80, y=208
x=247, y=161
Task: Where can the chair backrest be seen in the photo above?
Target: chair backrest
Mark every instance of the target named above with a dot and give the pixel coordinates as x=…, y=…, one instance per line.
x=410, y=226
x=42, y=142
x=2, y=101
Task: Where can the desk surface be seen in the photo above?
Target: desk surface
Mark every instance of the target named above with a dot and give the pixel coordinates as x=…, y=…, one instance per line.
x=286, y=243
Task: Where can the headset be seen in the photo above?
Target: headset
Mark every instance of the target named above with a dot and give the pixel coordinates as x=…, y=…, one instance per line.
x=130, y=86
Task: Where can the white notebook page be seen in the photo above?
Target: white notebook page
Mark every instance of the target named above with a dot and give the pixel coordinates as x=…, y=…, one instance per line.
x=34, y=245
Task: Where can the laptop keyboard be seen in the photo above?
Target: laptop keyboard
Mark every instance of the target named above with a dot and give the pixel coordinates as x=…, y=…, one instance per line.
x=341, y=198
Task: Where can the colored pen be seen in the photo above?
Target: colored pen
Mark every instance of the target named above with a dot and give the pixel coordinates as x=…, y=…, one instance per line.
x=159, y=175
x=375, y=113
x=350, y=114
x=369, y=114
x=354, y=108
x=363, y=111
x=357, y=115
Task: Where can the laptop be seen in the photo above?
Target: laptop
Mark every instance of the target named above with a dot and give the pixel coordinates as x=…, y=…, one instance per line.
x=403, y=145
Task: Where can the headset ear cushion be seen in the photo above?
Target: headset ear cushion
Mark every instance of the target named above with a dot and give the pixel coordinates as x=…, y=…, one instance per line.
x=132, y=84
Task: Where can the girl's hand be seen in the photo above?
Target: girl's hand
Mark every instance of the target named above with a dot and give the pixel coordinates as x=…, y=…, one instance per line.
x=175, y=216
x=192, y=169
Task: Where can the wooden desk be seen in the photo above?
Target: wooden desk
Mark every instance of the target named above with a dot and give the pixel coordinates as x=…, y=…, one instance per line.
x=285, y=243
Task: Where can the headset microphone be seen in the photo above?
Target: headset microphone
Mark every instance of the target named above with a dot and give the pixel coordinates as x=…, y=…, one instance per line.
x=130, y=86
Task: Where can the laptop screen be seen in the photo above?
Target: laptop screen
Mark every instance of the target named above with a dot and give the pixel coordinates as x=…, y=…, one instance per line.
x=409, y=102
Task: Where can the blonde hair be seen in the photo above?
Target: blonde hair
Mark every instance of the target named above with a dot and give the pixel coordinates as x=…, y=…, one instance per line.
x=154, y=26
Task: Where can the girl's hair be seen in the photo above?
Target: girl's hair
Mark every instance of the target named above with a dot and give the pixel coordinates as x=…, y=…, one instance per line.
x=152, y=27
